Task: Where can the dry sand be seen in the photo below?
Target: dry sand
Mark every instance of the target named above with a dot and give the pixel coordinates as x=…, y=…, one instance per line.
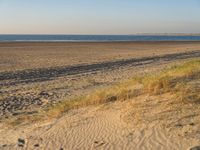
x=108, y=126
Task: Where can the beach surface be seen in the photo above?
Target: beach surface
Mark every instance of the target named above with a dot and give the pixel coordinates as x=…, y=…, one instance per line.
x=25, y=55
x=38, y=74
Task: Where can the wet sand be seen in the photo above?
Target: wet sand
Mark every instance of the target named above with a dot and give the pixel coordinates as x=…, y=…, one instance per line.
x=20, y=56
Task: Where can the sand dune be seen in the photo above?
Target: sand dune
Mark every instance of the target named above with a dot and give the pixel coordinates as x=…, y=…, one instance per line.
x=99, y=127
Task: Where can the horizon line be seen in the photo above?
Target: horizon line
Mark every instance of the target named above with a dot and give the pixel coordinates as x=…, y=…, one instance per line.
x=150, y=34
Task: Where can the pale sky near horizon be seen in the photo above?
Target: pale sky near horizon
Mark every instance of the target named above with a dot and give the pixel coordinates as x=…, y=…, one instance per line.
x=99, y=16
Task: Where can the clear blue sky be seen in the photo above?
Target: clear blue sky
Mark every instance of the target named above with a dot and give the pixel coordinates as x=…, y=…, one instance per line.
x=99, y=16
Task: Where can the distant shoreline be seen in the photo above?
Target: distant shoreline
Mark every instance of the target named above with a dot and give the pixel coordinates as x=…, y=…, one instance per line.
x=136, y=34
x=96, y=38
x=96, y=42
x=63, y=41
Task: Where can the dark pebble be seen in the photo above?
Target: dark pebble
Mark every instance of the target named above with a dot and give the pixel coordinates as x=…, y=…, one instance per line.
x=111, y=99
x=192, y=124
x=36, y=145
x=20, y=145
x=21, y=142
x=178, y=125
x=4, y=145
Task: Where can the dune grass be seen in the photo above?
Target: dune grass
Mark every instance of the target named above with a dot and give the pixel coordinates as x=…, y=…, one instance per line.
x=176, y=80
x=173, y=78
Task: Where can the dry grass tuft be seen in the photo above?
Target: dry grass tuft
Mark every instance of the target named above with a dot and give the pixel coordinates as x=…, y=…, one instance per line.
x=170, y=79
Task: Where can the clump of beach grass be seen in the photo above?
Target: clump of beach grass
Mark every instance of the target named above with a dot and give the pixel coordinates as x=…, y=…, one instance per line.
x=170, y=79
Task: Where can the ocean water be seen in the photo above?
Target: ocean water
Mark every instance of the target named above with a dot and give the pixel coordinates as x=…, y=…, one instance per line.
x=89, y=38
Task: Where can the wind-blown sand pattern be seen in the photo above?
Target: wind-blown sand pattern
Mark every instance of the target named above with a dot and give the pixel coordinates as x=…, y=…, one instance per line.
x=31, y=79
x=103, y=127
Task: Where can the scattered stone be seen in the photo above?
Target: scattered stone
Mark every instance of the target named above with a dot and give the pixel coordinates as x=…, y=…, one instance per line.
x=178, y=125
x=36, y=145
x=186, y=132
x=21, y=142
x=112, y=98
x=14, y=105
x=194, y=148
x=43, y=93
x=192, y=124
x=16, y=114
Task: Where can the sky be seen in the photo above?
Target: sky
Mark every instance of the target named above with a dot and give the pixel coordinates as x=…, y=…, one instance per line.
x=99, y=16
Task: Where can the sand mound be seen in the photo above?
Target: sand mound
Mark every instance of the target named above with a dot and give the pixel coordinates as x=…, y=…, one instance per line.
x=103, y=127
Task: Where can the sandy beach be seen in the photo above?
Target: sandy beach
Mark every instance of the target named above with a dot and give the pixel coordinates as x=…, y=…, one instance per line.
x=20, y=55
x=36, y=75
x=99, y=75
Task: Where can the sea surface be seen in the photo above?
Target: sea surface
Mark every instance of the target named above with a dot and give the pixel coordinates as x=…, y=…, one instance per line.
x=94, y=38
